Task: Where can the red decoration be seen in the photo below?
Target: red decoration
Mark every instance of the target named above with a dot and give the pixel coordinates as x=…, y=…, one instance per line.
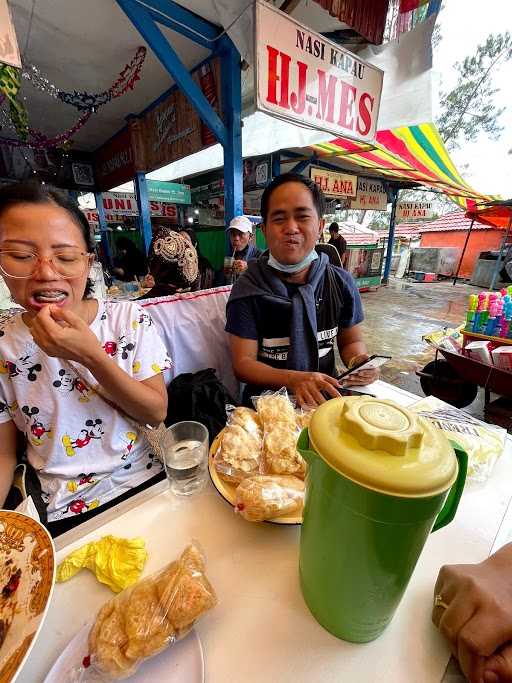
x=367, y=17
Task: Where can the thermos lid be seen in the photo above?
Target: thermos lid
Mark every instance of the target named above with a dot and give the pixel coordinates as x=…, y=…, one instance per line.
x=383, y=446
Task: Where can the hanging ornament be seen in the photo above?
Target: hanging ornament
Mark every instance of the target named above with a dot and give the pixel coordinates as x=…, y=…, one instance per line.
x=82, y=100
x=38, y=140
x=9, y=86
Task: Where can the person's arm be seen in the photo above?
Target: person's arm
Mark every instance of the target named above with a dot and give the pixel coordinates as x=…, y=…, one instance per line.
x=476, y=617
x=305, y=386
x=145, y=401
x=7, y=458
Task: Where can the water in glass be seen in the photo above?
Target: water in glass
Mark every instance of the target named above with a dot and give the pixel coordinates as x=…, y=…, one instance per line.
x=186, y=466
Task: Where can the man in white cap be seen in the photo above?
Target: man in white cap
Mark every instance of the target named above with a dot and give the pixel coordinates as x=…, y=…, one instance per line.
x=243, y=248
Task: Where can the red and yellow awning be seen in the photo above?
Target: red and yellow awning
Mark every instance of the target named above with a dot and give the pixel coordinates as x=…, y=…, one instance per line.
x=409, y=153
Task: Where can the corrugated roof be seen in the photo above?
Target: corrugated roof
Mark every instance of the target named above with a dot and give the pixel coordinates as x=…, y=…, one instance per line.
x=360, y=237
x=456, y=220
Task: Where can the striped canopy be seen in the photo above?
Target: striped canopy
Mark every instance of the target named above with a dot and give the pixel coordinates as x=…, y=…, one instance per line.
x=409, y=153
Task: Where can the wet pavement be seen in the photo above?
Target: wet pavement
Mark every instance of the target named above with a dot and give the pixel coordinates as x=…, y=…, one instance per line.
x=397, y=316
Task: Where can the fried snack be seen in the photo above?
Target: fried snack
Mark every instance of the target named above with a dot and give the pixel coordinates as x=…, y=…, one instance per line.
x=247, y=419
x=269, y=496
x=280, y=451
x=239, y=455
x=303, y=417
x=275, y=408
x=142, y=620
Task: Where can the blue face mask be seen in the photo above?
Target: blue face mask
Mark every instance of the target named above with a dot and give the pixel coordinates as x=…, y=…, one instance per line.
x=294, y=267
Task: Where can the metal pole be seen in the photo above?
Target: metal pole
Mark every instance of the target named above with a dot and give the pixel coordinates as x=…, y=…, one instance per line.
x=391, y=237
x=276, y=164
x=232, y=112
x=502, y=249
x=463, y=251
x=102, y=220
x=141, y=192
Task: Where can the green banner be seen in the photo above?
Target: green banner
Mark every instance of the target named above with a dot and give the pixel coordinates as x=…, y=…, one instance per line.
x=174, y=193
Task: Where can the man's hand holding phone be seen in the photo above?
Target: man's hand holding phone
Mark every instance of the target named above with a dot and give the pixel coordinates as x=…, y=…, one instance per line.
x=363, y=370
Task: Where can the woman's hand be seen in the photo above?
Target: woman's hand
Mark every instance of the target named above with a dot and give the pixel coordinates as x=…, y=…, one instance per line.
x=63, y=334
x=307, y=387
x=478, y=620
x=362, y=377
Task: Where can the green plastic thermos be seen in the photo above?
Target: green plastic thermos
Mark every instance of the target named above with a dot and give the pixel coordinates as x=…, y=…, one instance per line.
x=380, y=479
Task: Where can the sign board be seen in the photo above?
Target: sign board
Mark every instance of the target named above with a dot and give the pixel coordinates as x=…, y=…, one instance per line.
x=371, y=194
x=334, y=184
x=114, y=162
x=125, y=204
x=174, y=193
x=173, y=130
x=304, y=78
x=158, y=209
x=414, y=210
x=256, y=174
x=9, y=51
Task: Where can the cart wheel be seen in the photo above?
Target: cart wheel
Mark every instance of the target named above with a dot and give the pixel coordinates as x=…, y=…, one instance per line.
x=444, y=383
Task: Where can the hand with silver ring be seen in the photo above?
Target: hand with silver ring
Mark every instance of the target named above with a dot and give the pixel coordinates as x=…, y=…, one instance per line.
x=473, y=610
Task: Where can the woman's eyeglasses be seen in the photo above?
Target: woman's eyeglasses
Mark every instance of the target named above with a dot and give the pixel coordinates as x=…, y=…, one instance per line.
x=67, y=263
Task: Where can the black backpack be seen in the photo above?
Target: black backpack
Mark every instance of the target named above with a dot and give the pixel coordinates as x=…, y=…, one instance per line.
x=199, y=396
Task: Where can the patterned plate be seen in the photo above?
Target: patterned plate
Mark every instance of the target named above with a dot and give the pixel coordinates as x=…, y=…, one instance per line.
x=227, y=490
x=27, y=576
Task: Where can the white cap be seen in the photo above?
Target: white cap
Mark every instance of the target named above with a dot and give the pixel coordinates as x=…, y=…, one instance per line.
x=241, y=223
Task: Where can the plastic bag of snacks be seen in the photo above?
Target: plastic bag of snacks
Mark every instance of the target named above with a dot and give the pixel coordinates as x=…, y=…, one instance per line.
x=484, y=443
x=265, y=497
x=448, y=338
x=479, y=350
x=240, y=447
x=502, y=357
x=146, y=618
x=280, y=434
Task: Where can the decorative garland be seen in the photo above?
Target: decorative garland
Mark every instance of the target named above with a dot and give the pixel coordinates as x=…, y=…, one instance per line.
x=39, y=141
x=82, y=100
x=10, y=83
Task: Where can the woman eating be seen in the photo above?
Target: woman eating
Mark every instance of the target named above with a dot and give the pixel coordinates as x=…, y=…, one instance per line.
x=78, y=376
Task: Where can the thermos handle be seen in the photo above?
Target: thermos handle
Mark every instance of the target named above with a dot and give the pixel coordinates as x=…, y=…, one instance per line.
x=452, y=502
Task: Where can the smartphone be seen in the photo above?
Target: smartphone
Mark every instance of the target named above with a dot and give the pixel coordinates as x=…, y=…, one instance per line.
x=345, y=391
x=372, y=362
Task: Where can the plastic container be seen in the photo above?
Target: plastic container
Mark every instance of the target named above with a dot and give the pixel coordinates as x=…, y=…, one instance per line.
x=378, y=483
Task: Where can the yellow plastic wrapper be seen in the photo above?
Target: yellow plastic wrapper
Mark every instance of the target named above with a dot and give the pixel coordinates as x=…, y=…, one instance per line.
x=484, y=443
x=117, y=562
x=448, y=338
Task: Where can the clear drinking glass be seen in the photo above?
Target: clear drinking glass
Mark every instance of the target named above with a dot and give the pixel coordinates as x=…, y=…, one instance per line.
x=186, y=457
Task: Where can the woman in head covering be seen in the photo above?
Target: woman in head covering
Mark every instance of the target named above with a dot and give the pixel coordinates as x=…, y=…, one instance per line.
x=172, y=264
x=206, y=272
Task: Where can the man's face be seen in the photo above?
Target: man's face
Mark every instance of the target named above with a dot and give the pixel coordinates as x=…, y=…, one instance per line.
x=293, y=224
x=239, y=240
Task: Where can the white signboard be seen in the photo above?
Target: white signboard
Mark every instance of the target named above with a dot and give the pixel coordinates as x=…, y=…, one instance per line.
x=304, y=78
x=112, y=212
x=371, y=194
x=412, y=210
x=334, y=184
x=9, y=51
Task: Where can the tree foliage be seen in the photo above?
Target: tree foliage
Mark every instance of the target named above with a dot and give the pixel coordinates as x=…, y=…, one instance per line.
x=470, y=107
